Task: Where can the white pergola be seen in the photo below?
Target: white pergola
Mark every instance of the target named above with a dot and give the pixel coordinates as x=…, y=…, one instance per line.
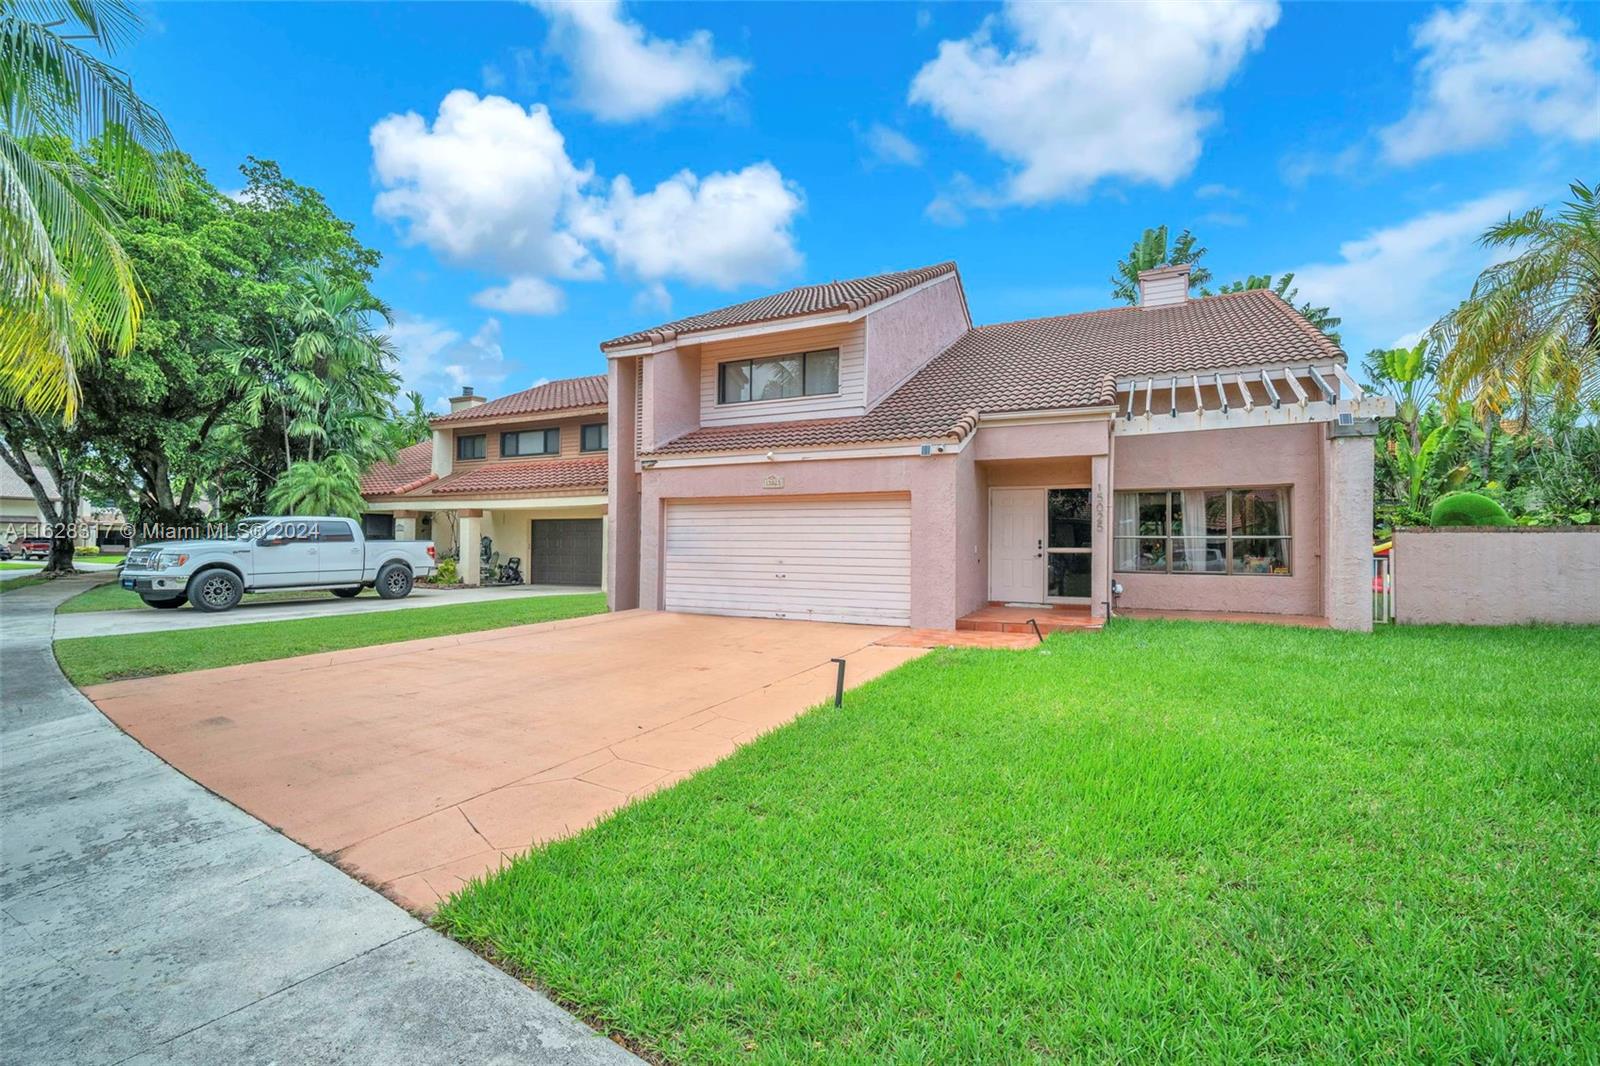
x=1244, y=396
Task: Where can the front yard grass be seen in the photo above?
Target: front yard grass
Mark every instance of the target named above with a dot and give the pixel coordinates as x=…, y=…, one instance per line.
x=91, y=660
x=1167, y=841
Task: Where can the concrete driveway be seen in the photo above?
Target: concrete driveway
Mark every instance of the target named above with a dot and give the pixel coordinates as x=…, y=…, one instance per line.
x=416, y=766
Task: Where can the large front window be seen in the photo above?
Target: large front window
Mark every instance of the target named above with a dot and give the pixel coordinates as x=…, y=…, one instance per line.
x=530, y=442
x=779, y=377
x=1203, y=531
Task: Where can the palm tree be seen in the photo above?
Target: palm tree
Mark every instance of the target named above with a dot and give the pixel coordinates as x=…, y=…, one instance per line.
x=1531, y=326
x=1150, y=251
x=1407, y=375
x=67, y=288
x=340, y=374
x=329, y=487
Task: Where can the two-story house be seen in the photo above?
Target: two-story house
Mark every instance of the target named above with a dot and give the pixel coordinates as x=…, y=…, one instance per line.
x=525, y=472
x=859, y=451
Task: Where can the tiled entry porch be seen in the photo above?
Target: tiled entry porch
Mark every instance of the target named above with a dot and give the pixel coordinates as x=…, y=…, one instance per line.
x=999, y=618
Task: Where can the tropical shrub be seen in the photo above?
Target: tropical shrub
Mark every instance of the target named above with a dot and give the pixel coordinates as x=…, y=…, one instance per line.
x=1469, y=509
x=446, y=574
x=86, y=549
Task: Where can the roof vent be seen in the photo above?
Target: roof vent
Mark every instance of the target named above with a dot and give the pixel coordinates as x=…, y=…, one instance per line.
x=1164, y=286
x=465, y=400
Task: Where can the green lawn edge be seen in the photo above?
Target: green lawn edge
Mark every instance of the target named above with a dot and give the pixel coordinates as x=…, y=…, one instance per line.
x=1168, y=841
x=93, y=660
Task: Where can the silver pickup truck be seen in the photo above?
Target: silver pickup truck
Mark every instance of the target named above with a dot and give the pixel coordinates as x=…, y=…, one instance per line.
x=275, y=553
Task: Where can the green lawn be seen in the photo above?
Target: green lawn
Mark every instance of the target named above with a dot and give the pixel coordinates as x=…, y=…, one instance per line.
x=1167, y=841
x=18, y=564
x=22, y=582
x=91, y=660
x=113, y=597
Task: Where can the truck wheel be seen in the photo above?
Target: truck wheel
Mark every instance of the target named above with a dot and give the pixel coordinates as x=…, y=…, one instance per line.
x=347, y=594
x=166, y=604
x=215, y=590
x=394, y=581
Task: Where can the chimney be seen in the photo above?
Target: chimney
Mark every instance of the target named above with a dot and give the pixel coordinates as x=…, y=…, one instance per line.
x=467, y=399
x=1164, y=286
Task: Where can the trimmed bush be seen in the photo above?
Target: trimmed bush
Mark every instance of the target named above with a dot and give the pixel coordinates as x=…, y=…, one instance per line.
x=447, y=572
x=86, y=549
x=1468, y=509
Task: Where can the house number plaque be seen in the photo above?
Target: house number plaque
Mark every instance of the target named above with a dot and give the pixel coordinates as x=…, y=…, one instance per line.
x=772, y=481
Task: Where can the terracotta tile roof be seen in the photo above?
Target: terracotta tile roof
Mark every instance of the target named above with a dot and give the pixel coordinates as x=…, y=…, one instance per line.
x=551, y=396
x=411, y=467
x=1048, y=363
x=534, y=475
x=849, y=295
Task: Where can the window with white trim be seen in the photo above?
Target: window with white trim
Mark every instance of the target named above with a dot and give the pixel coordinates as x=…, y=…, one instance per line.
x=1203, y=531
x=779, y=377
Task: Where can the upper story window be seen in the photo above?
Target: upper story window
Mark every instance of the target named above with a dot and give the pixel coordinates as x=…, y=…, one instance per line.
x=471, y=447
x=530, y=442
x=1203, y=531
x=593, y=437
x=779, y=377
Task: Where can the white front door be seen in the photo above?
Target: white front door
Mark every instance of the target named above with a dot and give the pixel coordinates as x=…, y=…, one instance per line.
x=1016, y=545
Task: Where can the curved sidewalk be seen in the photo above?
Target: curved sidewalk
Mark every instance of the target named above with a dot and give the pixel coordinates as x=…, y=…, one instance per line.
x=144, y=920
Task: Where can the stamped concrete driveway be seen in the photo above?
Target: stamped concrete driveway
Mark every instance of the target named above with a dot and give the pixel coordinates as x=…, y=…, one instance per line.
x=416, y=766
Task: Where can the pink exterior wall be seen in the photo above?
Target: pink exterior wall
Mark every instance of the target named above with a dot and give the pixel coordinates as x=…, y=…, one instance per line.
x=1090, y=437
x=622, y=502
x=1231, y=458
x=672, y=396
x=904, y=336
x=947, y=576
x=1510, y=575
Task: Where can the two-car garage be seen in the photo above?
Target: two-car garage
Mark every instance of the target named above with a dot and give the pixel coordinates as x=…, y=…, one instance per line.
x=824, y=559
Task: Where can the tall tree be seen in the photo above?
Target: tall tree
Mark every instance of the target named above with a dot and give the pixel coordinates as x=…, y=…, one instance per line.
x=1531, y=326
x=1320, y=317
x=68, y=290
x=331, y=486
x=1152, y=250
x=1407, y=376
x=62, y=450
x=171, y=421
x=411, y=423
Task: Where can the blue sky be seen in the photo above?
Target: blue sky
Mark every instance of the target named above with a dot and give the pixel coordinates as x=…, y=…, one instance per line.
x=540, y=178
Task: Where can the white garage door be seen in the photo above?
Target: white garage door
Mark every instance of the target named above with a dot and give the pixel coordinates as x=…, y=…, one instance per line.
x=841, y=559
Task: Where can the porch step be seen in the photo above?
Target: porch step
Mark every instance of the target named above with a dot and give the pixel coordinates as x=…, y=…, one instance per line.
x=996, y=619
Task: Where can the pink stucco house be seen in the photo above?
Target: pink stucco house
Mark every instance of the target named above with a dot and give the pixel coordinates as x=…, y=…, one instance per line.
x=859, y=451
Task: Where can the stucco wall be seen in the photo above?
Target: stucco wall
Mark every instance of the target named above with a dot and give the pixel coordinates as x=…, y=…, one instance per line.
x=622, y=494
x=1499, y=576
x=946, y=562
x=672, y=391
x=903, y=336
x=997, y=442
x=1231, y=458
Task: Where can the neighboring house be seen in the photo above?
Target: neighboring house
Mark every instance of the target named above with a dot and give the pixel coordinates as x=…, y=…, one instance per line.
x=20, y=515
x=858, y=451
x=527, y=470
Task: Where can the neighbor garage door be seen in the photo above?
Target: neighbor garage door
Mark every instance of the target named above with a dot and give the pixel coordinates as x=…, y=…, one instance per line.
x=838, y=559
x=566, y=551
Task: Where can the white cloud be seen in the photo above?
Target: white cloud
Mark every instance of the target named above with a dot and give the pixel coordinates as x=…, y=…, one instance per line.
x=1488, y=71
x=437, y=360
x=492, y=77
x=487, y=184
x=523, y=296
x=889, y=147
x=1092, y=91
x=1217, y=191
x=723, y=230
x=621, y=73
x=490, y=185
x=1397, y=281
